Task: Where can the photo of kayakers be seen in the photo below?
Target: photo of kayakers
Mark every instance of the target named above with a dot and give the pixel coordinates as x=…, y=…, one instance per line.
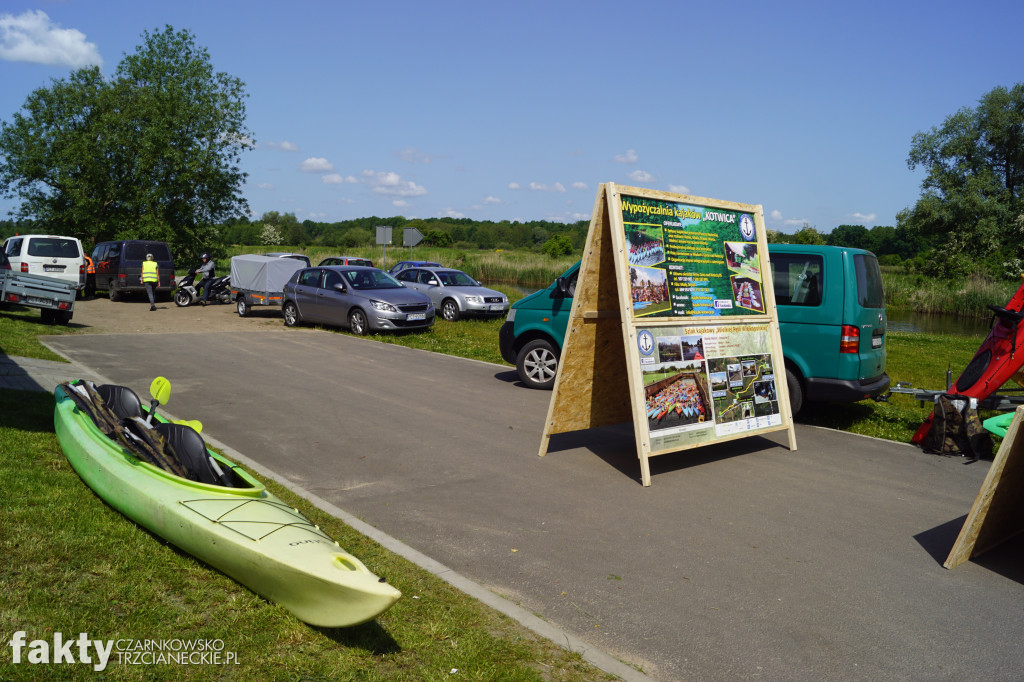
x=747, y=294
x=645, y=245
x=649, y=290
x=743, y=387
x=677, y=396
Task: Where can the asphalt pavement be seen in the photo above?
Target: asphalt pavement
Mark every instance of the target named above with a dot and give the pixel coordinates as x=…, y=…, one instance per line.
x=743, y=560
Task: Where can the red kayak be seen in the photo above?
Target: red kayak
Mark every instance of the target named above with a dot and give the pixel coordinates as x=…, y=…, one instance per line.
x=996, y=362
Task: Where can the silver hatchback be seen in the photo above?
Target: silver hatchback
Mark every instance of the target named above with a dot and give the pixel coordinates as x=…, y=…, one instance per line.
x=454, y=293
x=360, y=298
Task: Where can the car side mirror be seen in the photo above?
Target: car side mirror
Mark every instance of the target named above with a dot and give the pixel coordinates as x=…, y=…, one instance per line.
x=340, y=288
x=561, y=289
x=432, y=282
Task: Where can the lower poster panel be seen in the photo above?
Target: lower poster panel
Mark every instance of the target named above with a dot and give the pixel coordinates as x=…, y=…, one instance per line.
x=702, y=384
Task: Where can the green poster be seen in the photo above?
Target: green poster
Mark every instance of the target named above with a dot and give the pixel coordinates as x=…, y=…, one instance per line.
x=687, y=260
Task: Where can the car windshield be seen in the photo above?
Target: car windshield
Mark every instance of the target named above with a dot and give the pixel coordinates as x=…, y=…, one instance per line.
x=455, y=278
x=371, y=279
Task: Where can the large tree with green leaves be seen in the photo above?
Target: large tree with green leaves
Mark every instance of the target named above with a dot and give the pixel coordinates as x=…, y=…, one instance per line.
x=152, y=152
x=973, y=191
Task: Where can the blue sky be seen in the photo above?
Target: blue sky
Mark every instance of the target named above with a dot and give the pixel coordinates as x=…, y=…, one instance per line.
x=518, y=111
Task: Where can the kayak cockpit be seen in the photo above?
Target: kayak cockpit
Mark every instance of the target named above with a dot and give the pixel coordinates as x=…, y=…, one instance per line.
x=175, y=449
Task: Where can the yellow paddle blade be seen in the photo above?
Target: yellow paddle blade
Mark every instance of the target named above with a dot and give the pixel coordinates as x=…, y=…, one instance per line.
x=160, y=389
x=194, y=423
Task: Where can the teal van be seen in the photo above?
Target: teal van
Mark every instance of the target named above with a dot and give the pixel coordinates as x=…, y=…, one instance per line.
x=832, y=322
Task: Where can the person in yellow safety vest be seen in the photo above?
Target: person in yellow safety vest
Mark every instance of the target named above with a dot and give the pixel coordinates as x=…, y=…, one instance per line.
x=151, y=278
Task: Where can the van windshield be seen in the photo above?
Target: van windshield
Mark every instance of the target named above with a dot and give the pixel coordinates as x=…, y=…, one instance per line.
x=869, y=281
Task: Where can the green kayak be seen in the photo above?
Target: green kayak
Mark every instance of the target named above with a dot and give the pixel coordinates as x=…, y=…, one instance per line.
x=999, y=424
x=234, y=525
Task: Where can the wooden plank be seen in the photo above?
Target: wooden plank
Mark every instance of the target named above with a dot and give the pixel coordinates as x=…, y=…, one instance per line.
x=998, y=511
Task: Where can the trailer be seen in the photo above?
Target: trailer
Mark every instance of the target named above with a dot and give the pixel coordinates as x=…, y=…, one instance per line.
x=259, y=280
x=54, y=297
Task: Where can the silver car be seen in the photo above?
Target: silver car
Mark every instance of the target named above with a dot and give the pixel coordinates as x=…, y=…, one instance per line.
x=454, y=293
x=360, y=298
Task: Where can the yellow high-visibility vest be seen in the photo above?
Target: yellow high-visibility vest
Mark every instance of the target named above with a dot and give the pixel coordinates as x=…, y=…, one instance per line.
x=149, y=273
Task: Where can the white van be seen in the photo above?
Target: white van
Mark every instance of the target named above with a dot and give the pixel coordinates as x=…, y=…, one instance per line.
x=49, y=255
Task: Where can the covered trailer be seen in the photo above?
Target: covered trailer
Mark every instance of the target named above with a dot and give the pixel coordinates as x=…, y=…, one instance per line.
x=259, y=280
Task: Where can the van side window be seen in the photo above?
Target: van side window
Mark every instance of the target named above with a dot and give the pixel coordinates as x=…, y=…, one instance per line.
x=799, y=279
x=114, y=252
x=14, y=247
x=869, y=281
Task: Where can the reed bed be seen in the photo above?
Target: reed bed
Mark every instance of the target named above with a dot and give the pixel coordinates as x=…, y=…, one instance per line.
x=969, y=297
x=516, y=268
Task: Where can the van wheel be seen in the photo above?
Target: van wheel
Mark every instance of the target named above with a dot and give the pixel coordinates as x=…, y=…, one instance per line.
x=537, y=363
x=796, y=392
x=113, y=293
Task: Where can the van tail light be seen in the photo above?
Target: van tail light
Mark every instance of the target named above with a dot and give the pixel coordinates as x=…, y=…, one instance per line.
x=124, y=278
x=81, y=270
x=24, y=266
x=849, y=342
x=173, y=283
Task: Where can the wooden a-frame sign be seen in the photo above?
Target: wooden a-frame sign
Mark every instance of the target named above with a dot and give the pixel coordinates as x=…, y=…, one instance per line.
x=998, y=511
x=673, y=326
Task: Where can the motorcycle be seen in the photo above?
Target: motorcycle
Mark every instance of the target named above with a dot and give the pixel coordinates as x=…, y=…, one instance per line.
x=187, y=293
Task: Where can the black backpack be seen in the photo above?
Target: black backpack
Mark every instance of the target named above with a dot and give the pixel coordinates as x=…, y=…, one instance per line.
x=956, y=429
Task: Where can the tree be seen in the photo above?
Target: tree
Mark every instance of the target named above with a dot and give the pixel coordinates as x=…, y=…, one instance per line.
x=853, y=236
x=974, y=179
x=151, y=153
x=559, y=245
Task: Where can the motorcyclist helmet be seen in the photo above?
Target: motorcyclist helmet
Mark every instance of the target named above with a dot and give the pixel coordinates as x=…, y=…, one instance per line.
x=205, y=256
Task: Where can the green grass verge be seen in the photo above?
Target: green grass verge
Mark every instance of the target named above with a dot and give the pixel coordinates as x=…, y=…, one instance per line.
x=72, y=564
x=19, y=327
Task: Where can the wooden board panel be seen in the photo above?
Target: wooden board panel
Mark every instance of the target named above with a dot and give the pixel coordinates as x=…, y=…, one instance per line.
x=998, y=511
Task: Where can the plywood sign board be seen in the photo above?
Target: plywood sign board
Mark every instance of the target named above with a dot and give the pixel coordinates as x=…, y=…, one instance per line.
x=673, y=326
x=998, y=511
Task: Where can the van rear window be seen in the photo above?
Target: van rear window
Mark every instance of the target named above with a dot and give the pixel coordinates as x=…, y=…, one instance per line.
x=869, y=281
x=136, y=251
x=46, y=247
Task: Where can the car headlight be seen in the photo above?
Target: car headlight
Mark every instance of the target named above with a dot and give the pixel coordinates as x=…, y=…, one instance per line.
x=386, y=307
x=474, y=299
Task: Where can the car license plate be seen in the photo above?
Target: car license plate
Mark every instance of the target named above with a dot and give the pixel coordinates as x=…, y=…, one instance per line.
x=497, y=307
x=876, y=341
x=415, y=316
x=35, y=300
x=53, y=268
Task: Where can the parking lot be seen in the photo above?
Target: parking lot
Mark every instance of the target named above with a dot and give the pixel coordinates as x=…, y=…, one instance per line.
x=742, y=560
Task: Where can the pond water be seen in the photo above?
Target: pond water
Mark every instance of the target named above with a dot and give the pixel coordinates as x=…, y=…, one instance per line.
x=906, y=321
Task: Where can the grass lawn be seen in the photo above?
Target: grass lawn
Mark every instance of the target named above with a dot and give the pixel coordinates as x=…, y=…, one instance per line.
x=19, y=327
x=72, y=564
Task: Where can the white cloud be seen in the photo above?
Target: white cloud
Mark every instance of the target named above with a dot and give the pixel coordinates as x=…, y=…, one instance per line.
x=316, y=164
x=629, y=157
x=579, y=185
x=514, y=185
x=539, y=187
x=451, y=213
x=641, y=176
x=864, y=218
x=679, y=189
x=317, y=216
x=337, y=179
x=775, y=215
x=390, y=183
x=266, y=185
x=400, y=203
x=413, y=155
x=798, y=222
x=283, y=145
x=32, y=37
x=492, y=200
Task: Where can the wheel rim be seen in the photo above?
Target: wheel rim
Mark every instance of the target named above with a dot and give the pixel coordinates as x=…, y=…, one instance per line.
x=181, y=298
x=540, y=365
x=449, y=310
x=358, y=323
x=290, y=315
x=241, y=307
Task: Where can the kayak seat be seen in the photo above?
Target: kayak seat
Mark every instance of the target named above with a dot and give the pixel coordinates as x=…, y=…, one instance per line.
x=189, y=448
x=122, y=401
